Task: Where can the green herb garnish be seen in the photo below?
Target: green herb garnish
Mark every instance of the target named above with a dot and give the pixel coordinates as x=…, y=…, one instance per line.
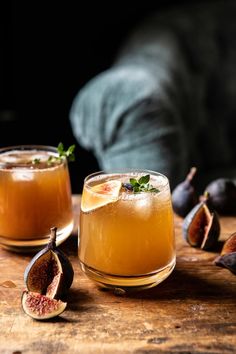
x=36, y=161
x=68, y=154
x=140, y=185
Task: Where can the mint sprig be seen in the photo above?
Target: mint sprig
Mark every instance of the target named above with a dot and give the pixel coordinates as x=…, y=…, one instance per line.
x=36, y=161
x=140, y=185
x=68, y=154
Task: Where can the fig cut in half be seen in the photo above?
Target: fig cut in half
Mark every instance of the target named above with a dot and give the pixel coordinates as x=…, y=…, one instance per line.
x=44, y=274
x=227, y=258
x=48, y=276
x=49, y=272
x=201, y=227
x=229, y=245
x=41, y=307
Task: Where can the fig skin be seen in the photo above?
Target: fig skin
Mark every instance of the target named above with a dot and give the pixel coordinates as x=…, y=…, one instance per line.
x=227, y=261
x=201, y=226
x=67, y=268
x=222, y=196
x=227, y=258
x=40, y=307
x=62, y=264
x=184, y=196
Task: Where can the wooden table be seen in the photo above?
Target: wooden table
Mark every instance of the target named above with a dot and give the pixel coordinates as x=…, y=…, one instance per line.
x=191, y=312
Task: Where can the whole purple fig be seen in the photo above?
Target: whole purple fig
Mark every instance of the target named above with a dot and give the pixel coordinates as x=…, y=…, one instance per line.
x=222, y=198
x=184, y=196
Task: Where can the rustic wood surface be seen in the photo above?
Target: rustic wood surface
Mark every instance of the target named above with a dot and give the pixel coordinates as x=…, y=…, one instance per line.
x=191, y=312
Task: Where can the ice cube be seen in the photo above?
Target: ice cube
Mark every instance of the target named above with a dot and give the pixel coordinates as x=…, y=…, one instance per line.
x=143, y=205
x=22, y=175
x=138, y=204
x=9, y=159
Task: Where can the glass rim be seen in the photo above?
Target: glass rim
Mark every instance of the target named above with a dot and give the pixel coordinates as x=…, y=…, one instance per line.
x=126, y=171
x=28, y=147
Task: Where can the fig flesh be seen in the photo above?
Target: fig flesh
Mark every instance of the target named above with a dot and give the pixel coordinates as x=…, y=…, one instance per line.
x=48, y=276
x=222, y=193
x=229, y=245
x=49, y=269
x=201, y=227
x=43, y=271
x=184, y=196
x=40, y=307
x=227, y=258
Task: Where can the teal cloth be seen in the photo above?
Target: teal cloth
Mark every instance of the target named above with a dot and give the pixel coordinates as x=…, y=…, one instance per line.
x=168, y=101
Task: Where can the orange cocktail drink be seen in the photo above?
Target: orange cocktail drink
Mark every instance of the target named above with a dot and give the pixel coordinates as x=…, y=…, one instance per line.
x=126, y=232
x=35, y=195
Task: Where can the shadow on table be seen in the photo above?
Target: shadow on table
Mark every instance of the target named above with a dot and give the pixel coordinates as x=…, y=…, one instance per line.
x=80, y=300
x=182, y=285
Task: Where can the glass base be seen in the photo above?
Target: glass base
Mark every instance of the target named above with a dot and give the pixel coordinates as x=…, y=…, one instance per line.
x=24, y=246
x=122, y=284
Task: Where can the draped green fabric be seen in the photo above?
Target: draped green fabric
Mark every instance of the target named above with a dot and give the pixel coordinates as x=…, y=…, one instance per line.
x=168, y=101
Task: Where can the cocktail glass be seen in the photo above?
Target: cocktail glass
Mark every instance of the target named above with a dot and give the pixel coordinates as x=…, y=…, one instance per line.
x=126, y=237
x=35, y=195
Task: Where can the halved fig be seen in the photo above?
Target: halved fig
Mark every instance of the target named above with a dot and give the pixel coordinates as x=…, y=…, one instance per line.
x=41, y=307
x=229, y=245
x=43, y=271
x=50, y=271
x=227, y=258
x=201, y=227
x=227, y=261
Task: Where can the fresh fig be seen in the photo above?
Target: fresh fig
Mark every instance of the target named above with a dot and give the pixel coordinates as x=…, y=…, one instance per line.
x=47, y=277
x=227, y=258
x=229, y=245
x=201, y=226
x=222, y=193
x=227, y=261
x=184, y=196
x=41, y=307
x=50, y=272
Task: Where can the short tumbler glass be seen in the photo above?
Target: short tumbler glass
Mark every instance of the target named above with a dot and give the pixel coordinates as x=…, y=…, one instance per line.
x=126, y=237
x=35, y=195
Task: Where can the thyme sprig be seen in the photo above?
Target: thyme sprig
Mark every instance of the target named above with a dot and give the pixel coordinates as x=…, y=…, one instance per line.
x=140, y=185
x=62, y=153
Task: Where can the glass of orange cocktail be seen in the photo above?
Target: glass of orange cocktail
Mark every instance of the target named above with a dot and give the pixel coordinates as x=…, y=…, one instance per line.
x=35, y=195
x=126, y=236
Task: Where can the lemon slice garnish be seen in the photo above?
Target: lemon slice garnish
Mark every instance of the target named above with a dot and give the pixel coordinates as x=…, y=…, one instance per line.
x=99, y=195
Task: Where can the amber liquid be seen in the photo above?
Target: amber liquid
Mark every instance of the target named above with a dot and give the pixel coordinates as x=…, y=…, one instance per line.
x=133, y=236
x=33, y=197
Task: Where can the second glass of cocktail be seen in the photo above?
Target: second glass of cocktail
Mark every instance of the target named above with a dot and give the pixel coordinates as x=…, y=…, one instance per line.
x=35, y=195
x=126, y=237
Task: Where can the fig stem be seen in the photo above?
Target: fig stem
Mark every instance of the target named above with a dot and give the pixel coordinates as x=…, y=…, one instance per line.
x=206, y=195
x=191, y=174
x=53, y=236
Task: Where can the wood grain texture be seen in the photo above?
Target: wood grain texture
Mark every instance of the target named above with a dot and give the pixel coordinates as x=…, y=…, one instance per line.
x=191, y=312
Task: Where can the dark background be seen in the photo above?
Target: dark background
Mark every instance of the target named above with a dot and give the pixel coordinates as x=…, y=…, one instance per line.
x=49, y=50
